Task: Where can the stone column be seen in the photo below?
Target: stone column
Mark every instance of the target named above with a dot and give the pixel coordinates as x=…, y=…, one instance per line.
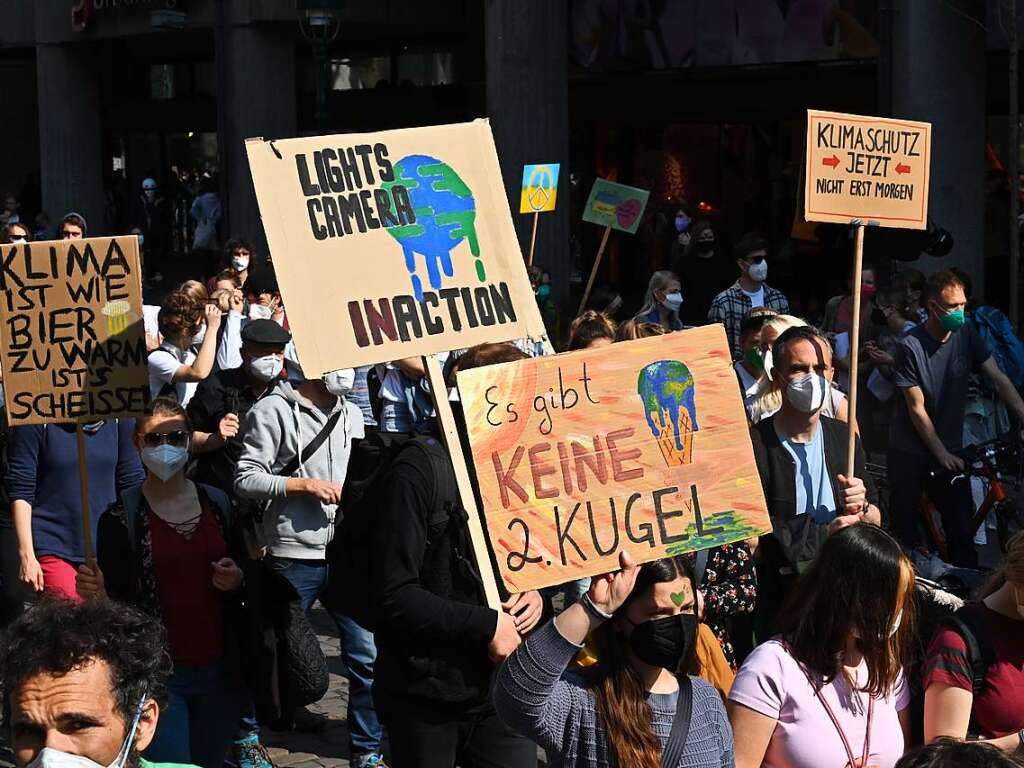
x=256, y=81
x=70, y=133
x=935, y=68
x=527, y=101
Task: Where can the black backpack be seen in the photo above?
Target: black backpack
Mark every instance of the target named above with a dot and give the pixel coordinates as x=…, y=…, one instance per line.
x=349, y=555
x=980, y=652
x=932, y=618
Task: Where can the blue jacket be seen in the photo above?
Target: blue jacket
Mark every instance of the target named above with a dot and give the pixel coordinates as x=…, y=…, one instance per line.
x=43, y=470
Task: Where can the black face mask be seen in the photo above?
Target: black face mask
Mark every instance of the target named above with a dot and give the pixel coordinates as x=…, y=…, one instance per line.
x=705, y=246
x=877, y=316
x=664, y=642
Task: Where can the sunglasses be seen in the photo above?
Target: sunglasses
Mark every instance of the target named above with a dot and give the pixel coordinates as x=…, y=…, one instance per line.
x=178, y=438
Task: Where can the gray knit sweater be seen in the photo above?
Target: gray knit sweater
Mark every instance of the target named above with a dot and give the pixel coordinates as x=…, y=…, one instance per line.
x=535, y=696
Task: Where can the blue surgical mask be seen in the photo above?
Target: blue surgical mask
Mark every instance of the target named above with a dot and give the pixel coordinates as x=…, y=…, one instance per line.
x=164, y=461
x=672, y=301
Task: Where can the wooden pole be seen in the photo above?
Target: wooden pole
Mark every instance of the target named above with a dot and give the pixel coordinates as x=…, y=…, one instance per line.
x=593, y=272
x=450, y=433
x=83, y=486
x=858, y=268
x=1014, y=167
x=533, y=238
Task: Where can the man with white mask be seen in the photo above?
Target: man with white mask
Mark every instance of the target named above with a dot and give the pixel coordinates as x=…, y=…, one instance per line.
x=801, y=459
x=297, y=441
x=263, y=298
x=223, y=400
x=749, y=291
x=84, y=684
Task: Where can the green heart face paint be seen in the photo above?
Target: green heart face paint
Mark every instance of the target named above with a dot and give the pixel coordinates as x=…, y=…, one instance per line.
x=678, y=598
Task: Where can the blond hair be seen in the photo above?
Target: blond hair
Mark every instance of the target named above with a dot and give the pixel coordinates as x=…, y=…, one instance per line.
x=638, y=329
x=768, y=395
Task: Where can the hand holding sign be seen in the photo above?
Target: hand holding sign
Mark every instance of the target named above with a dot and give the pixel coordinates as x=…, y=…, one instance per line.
x=610, y=590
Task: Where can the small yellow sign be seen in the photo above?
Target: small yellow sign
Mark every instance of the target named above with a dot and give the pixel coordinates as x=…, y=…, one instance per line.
x=540, y=188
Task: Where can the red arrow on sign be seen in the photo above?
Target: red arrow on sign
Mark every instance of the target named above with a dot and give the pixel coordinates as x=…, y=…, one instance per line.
x=902, y=168
x=832, y=161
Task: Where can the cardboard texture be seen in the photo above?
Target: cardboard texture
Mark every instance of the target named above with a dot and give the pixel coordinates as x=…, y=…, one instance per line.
x=72, y=342
x=540, y=188
x=870, y=168
x=393, y=244
x=641, y=446
x=615, y=205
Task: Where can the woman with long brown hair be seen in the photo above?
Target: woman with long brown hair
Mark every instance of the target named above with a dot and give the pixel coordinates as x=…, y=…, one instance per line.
x=829, y=692
x=638, y=700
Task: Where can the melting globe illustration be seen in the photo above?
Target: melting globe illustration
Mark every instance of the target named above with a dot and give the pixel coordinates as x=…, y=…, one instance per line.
x=445, y=216
x=667, y=392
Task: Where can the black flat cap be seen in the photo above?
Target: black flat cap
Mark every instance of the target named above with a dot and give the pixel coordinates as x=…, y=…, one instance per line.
x=265, y=332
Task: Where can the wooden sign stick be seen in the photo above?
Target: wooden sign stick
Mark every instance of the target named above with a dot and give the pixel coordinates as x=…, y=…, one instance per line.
x=533, y=238
x=858, y=267
x=450, y=433
x=83, y=485
x=593, y=272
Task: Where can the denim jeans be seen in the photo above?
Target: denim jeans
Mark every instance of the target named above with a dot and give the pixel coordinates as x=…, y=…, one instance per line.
x=357, y=651
x=199, y=722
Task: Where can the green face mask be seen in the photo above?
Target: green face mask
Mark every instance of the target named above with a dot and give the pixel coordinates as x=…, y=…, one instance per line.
x=952, y=321
x=755, y=358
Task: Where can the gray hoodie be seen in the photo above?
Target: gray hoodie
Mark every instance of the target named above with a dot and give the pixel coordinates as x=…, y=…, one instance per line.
x=296, y=526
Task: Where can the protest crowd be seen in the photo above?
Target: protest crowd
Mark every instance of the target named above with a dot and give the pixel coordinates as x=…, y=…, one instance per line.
x=879, y=623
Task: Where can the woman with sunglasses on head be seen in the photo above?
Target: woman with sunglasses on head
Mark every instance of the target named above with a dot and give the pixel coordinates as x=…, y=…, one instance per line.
x=168, y=548
x=829, y=692
x=638, y=701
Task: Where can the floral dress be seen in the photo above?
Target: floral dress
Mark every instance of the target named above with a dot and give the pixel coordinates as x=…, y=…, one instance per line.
x=730, y=588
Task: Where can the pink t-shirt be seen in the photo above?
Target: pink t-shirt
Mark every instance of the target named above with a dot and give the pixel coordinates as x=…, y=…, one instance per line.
x=773, y=684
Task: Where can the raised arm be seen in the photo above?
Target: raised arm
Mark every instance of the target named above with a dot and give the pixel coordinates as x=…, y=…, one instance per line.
x=202, y=366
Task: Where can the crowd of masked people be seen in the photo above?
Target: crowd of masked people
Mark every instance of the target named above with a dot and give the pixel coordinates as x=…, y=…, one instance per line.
x=248, y=492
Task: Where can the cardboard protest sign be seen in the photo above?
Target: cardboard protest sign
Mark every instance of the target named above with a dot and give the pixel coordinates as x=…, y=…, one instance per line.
x=870, y=168
x=615, y=205
x=393, y=244
x=540, y=188
x=72, y=344
x=642, y=446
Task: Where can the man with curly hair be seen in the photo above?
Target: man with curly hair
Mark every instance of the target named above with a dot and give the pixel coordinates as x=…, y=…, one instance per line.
x=83, y=684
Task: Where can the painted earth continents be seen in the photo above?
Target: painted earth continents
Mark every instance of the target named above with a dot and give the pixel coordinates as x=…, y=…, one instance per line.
x=666, y=389
x=445, y=216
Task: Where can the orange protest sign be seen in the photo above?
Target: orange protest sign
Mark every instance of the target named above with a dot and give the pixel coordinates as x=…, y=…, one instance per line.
x=641, y=446
x=870, y=168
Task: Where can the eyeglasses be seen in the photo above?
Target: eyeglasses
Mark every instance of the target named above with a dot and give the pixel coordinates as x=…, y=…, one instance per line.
x=178, y=438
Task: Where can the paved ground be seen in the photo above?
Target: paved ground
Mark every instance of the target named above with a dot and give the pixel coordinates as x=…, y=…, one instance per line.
x=329, y=747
